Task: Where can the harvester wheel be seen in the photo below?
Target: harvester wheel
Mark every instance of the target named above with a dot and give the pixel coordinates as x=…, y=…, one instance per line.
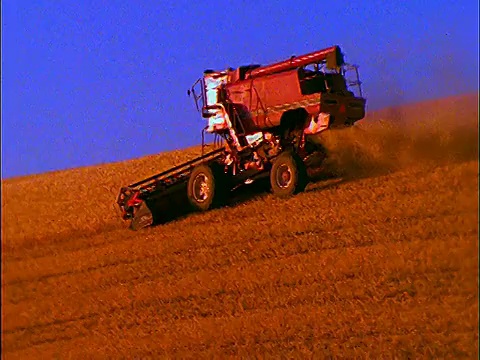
x=207, y=186
x=288, y=175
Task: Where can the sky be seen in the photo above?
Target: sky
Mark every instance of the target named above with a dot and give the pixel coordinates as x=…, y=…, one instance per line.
x=91, y=82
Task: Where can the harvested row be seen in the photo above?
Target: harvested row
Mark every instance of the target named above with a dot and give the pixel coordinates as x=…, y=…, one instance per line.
x=253, y=253
x=274, y=329
x=451, y=199
x=200, y=291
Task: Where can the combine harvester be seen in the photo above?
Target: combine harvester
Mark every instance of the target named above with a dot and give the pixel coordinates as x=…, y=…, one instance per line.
x=263, y=119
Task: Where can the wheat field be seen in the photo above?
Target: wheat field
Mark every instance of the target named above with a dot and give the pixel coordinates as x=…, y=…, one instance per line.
x=376, y=259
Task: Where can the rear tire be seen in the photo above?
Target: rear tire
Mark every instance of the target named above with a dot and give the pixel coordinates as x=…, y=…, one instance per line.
x=207, y=187
x=288, y=175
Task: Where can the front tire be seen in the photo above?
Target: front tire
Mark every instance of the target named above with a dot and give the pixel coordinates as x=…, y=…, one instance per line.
x=288, y=175
x=207, y=187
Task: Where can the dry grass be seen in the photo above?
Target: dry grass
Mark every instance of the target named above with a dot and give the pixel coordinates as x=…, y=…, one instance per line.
x=380, y=261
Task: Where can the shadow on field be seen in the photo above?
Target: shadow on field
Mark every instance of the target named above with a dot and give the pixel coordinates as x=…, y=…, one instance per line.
x=177, y=207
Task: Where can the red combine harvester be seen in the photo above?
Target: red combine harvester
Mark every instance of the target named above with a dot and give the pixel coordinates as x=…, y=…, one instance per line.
x=263, y=119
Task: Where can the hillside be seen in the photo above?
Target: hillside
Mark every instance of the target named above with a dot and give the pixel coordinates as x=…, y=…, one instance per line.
x=378, y=258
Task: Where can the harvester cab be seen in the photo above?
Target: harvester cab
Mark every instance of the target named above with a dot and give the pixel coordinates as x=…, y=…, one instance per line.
x=212, y=101
x=255, y=98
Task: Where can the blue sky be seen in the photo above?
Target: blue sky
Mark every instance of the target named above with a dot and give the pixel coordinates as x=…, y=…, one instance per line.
x=88, y=82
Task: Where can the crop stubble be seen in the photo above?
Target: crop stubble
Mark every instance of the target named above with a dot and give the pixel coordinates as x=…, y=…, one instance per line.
x=381, y=260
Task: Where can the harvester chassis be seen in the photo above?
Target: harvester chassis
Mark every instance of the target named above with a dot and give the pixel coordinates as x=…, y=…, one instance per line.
x=266, y=118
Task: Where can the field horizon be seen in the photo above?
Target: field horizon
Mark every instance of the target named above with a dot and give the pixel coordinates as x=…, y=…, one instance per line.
x=377, y=258
x=387, y=112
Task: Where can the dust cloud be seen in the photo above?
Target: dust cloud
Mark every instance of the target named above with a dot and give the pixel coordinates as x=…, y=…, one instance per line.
x=393, y=142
